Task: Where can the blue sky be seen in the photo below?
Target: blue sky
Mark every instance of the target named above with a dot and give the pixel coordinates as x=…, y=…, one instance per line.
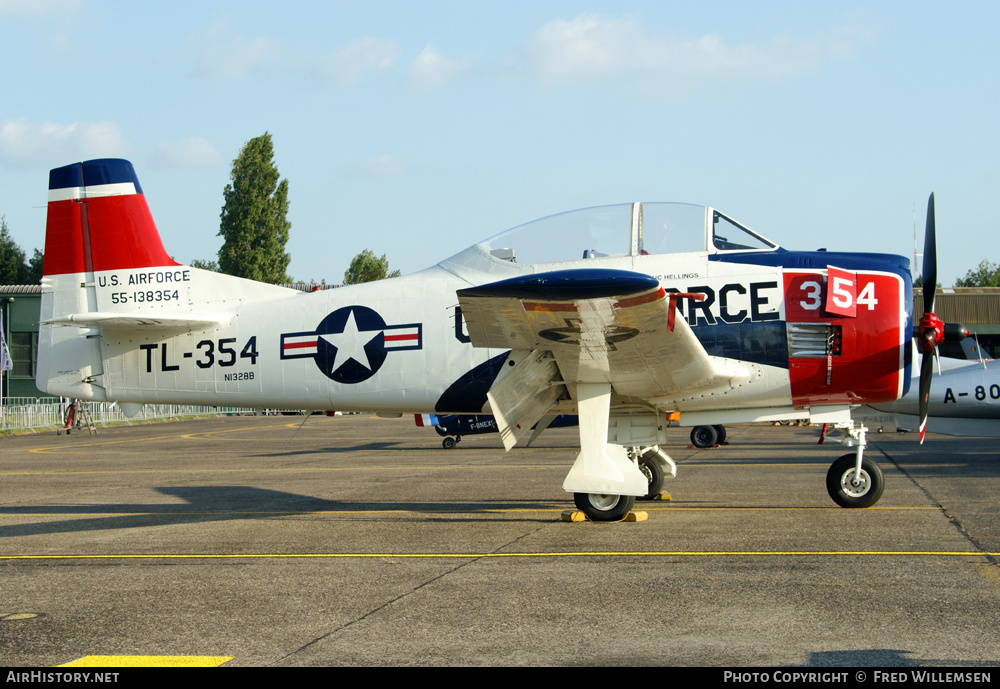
x=418, y=128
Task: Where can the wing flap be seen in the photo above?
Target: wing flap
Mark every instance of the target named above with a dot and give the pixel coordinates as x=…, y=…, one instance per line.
x=521, y=396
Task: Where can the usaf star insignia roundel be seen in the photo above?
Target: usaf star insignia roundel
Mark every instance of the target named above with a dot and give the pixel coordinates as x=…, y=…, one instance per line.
x=351, y=344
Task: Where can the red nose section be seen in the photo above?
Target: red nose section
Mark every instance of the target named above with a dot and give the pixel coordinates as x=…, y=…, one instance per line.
x=98, y=220
x=848, y=336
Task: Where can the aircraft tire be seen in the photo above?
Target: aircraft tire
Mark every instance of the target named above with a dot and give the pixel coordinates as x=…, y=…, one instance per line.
x=448, y=443
x=704, y=436
x=720, y=432
x=840, y=488
x=654, y=474
x=604, y=508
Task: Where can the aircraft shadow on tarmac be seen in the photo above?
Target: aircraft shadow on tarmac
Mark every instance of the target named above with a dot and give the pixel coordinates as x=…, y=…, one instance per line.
x=884, y=658
x=227, y=503
x=379, y=445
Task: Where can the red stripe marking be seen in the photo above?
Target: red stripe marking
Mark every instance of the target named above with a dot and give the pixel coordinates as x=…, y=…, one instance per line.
x=641, y=299
x=534, y=306
x=300, y=345
x=397, y=338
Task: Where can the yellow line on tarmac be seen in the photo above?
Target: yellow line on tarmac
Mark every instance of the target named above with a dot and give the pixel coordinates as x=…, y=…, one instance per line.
x=442, y=556
x=775, y=509
x=437, y=510
x=148, y=661
x=283, y=469
x=276, y=513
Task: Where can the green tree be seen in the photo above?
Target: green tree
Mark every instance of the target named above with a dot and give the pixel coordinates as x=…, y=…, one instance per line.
x=253, y=224
x=985, y=275
x=34, y=271
x=13, y=269
x=366, y=267
x=205, y=265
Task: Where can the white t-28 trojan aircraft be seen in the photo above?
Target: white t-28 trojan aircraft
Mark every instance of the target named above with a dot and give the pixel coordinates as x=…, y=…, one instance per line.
x=619, y=314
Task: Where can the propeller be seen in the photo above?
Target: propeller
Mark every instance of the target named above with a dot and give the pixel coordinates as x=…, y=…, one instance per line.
x=931, y=331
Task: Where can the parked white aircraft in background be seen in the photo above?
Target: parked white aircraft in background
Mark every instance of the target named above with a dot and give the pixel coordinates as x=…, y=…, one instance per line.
x=580, y=313
x=964, y=401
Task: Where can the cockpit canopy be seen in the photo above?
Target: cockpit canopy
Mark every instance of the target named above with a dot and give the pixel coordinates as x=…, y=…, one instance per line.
x=628, y=229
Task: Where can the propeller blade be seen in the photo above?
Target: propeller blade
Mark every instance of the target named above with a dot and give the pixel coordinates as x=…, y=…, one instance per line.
x=930, y=259
x=926, y=375
x=931, y=331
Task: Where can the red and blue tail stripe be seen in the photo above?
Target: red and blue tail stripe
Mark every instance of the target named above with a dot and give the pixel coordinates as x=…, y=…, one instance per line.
x=98, y=220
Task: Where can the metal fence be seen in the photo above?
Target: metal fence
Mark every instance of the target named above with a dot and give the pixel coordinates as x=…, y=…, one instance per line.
x=28, y=413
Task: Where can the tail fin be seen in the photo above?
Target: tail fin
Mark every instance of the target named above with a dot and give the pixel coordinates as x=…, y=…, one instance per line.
x=109, y=286
x=98, y=220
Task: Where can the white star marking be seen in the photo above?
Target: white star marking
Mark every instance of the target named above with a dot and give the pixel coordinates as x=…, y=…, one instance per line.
x=350, y=344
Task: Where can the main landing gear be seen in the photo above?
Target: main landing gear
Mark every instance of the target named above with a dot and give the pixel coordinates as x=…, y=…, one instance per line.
x=855, y=480
x=602, y=507
x=708, y=436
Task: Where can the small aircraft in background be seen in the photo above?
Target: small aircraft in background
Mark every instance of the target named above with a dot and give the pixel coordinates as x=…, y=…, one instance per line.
x=619, y=314
x=458, y=425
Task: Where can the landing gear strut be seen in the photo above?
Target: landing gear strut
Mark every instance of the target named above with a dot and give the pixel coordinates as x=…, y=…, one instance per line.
x=601, y=507
x=855, y=480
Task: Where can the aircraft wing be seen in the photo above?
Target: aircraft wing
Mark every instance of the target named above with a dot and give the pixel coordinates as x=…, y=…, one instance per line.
x=601, y=326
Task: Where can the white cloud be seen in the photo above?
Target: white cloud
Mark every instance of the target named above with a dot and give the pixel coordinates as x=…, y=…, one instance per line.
x=348, y=64
x=385, y=165
x=221, y=54
x=50, y=144
x=193, y=152
x=591, y=47
x=432, y=70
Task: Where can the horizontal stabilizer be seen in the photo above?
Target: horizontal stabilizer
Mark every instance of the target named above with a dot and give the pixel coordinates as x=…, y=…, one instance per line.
x=126, y=321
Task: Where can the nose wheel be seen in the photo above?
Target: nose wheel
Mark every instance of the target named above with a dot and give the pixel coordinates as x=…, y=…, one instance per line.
x=850, y=487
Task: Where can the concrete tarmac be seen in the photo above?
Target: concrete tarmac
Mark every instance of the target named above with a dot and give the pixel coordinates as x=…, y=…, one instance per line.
x=360, y=541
